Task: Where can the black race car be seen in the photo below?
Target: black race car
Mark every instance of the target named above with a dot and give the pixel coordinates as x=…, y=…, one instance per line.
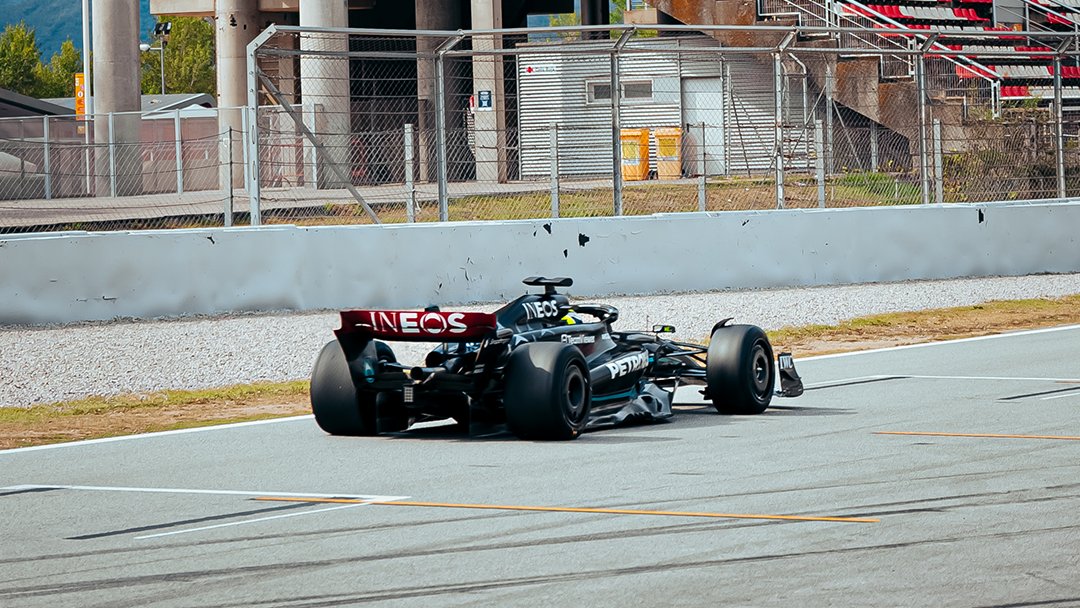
x=544, y=367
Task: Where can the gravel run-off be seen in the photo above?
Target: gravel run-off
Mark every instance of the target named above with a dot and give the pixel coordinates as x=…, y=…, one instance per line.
x=43, y=364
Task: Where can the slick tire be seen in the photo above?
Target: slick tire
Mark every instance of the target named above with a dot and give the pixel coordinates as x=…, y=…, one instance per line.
x=739, y=370
x=547, y=391
x=339, y=408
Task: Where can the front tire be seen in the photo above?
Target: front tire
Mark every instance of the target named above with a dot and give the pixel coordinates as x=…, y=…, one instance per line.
x=547, y=393
x=339, y=408
x=739, y=370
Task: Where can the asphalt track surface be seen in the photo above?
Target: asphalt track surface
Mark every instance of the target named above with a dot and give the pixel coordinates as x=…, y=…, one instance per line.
x=814, y=503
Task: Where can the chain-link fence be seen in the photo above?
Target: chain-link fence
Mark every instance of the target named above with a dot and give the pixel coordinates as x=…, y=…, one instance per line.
x=121, y=171
x=359, y=126
x=560, y=123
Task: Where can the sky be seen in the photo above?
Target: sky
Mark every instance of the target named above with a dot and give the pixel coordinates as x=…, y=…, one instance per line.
x=57, y=20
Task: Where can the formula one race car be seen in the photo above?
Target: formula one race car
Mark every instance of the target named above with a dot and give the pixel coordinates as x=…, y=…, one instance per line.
x=536, y=365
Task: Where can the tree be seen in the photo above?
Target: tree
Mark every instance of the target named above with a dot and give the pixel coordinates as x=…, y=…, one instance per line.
x=616, y=8
x=189, y=59
x=19, y=59
x=57, y=78
x=22, y=71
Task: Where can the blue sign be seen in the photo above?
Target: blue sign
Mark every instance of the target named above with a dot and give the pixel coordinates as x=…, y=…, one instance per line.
x=483, y=101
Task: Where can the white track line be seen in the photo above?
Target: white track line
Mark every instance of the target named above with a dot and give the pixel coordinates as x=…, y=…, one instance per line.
x=368, y=498
x=1012, y=334
x=842, y=381
x=854, y=379
x=252, y=521
x=201, y=429
x=1005, y=378
x=1073, y=394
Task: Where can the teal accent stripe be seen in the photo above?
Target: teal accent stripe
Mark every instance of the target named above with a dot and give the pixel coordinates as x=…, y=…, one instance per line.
x=629, y=393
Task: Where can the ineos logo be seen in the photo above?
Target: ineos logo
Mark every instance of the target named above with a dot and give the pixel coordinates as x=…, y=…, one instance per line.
x=540, y=310
x=431, y=323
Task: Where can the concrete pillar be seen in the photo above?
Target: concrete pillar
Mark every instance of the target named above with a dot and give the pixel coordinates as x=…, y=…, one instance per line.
x=116, y=89
x=326, y=88
x=489, y=124
x=431, y=15
x=236, y=23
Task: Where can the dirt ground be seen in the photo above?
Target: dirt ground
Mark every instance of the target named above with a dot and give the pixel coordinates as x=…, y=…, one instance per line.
x=123, y=415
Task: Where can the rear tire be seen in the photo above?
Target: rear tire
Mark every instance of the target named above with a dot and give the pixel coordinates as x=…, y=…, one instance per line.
x=547, y=391
x=739, y=370
x=339, y=408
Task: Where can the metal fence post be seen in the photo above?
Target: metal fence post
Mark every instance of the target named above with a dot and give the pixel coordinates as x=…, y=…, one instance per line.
x=229, y=186
x=830, y=85
x=729, y=105
x=179, y=154
x=778, y=76
x=112, y=156
x=616, y=134
x=440, y=136
x=819, y=161
x=47, y=160
x=553, y=131
x=939, y=176
x=873, y=146
x=701, y=193
x=1059, y=128
x=251, y=139
x=24, y=147
x=924, y=159
x=312, y=159
x=244, y=147
x=410, y=183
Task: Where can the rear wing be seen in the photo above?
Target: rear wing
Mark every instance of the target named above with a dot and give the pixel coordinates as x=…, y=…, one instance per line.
x=417, y=326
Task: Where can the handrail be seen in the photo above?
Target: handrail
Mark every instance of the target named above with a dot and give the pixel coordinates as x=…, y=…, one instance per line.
x=979, y=70
x=1030, y=4
x=829, y=16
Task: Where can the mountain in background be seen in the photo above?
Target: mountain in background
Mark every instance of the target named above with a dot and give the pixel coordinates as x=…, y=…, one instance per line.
x=54, y=21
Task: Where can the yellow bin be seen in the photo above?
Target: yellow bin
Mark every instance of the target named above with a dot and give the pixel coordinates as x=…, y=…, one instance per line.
x=635, y=153
x=668, y=152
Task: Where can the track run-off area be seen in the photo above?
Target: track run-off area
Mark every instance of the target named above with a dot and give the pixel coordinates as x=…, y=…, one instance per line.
x=945, y=474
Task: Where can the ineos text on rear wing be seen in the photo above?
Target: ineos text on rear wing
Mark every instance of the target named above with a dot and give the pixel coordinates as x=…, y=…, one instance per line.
x=417, y=326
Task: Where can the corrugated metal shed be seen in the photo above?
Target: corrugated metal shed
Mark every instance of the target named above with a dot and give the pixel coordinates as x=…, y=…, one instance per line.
x=570, y=86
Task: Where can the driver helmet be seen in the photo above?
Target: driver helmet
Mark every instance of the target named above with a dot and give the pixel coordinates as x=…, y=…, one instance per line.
x=570, y=318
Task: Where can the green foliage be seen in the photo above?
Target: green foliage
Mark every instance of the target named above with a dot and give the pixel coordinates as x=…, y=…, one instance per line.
x=189, y=59
x=615, y=17
x=57, y=78
x=880, y=187
x=19, y=59
x=22, y=71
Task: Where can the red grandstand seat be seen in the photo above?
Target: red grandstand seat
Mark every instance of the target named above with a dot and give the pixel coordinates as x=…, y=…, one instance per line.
x=1014, y=91
x=1056, y=19
x=1001, y=28
x=974, y=72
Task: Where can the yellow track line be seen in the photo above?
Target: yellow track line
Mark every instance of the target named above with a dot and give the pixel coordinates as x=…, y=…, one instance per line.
x=448, y=505
x=989, y=435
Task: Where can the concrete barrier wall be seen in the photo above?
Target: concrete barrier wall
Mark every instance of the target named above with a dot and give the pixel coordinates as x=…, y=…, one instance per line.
x=91, y=276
